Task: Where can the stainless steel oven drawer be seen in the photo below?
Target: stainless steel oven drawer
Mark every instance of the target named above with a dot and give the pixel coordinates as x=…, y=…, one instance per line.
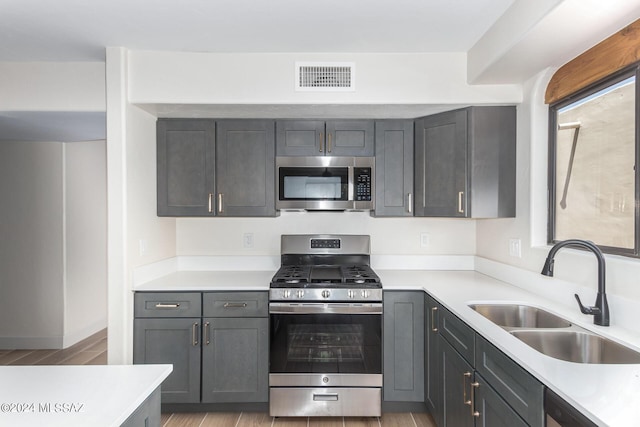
x=325, y=402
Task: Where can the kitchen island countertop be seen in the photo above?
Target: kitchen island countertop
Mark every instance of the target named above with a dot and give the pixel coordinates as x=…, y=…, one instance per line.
x=51, y=396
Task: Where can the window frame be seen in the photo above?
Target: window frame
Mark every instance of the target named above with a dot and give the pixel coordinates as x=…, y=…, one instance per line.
x=625, y=73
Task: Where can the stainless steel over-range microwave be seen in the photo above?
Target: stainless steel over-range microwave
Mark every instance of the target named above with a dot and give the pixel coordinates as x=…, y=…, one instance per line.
x=325, y=183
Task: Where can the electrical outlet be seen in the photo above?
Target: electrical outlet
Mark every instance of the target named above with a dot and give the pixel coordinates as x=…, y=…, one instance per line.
x=142, y=247
x=425, y=239
x=515, y=248
x=247, y=240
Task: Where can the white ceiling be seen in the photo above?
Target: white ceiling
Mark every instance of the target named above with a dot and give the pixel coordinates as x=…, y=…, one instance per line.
x=79, y=30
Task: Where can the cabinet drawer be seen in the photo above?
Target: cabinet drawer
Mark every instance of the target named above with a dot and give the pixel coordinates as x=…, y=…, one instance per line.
x=516, y=386
x=457, y=333
x=167, y=304
x=236, y=304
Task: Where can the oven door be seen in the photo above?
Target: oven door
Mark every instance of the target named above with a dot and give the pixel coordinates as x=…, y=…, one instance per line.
x=325, y=345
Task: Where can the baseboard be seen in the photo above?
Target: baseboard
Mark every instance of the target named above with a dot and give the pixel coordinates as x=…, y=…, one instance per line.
x=31, y=343
x=70, y=339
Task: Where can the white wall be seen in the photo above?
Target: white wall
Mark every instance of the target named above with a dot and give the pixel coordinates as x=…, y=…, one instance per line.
x=31, y=243
x=85, y=223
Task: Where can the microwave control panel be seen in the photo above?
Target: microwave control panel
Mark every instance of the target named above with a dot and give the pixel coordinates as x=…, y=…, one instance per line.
x=362, y=178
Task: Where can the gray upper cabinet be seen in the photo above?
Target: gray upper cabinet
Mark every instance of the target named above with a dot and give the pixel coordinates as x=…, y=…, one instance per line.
x=320, y=138
x=185, y=167
x=403, y=324
x=245, y=168
x=465, y=163
x=394, y=168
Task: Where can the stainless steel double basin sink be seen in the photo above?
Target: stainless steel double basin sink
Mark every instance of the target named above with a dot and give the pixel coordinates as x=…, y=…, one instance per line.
x=556, y=337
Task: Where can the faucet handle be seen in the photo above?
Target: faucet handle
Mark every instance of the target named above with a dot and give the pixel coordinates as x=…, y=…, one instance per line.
x=587, y=310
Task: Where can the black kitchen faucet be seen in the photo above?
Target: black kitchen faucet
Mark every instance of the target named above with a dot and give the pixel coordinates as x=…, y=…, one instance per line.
x=600, y=311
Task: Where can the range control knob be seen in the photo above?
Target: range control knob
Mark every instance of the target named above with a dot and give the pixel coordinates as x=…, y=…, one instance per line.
x=325, y=379
x=365, y=293
x=299, y=293
x=326, y=293
x=351, y=293
x=286, y=293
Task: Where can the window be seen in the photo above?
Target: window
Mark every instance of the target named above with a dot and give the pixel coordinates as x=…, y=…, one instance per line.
x=593, y=178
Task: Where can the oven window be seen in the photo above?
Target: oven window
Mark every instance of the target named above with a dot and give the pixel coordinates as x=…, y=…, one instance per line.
x=314, y=183
x=326, y=343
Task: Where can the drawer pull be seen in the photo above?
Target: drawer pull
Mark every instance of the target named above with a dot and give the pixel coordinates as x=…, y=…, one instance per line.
x=474, y=413
x=166, y=305
x=325, y=397
x=235, y=305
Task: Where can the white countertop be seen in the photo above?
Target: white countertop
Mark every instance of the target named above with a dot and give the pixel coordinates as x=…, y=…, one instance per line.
x=66, y=396
x=607, y=394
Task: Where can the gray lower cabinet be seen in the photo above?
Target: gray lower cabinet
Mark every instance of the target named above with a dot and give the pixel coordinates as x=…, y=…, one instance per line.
x=147, y=414
x=245, y=168
x=479, y=385
x=185, y=167
x=465, y=163
x=174, y=341
x=432, y=368
x=394, y=168
x=403, y=334
x=320, y=138
x=215, y=168
x=235, y=360
x=220, y=356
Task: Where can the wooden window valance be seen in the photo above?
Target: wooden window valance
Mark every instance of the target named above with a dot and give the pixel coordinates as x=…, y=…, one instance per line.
x=605, y=58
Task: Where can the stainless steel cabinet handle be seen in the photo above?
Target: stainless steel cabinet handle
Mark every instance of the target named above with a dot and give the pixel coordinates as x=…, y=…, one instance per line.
x=410, y=203
x=434, y=328
x=328, y=142
x=210, y=202
x=325, y=397
x=194, y=334
x=235, y=305
x=460, y=207
x=474, y=413
x=207, y=338
x=165, y=305
x=321, y=149
x=220, y=207
x=464, y=389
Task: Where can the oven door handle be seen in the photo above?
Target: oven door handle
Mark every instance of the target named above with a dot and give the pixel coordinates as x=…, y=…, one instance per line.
x=325, y=308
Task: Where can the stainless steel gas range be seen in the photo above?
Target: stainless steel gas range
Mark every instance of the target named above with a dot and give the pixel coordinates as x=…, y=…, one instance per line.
x=325, y=307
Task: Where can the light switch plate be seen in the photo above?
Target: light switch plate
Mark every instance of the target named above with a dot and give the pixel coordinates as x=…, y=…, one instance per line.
x=515, y=248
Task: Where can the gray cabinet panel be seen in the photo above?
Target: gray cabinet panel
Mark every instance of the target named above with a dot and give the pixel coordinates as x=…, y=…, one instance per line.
x=147, y=414
x=185, y=165
x=492, y=410
x=457, y=375
x=457, y=333
x=394, y=168
x=517, y=387
x=440, y=165
x=175, y=341
x=299, y=138
x=245, y=168
x=236, y=304
x=465, y=163
x=433, y=379
x=350, y=138
x=167, y=304
x=235, y=360
x=403, y=333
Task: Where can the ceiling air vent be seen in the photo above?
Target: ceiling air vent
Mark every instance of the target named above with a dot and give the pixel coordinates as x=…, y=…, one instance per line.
x=325, y=76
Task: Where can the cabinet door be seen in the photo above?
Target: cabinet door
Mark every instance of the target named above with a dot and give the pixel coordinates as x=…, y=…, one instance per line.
x=300, y=138
x=441, y=165
x=185, y=167
x=235, y=354
x=403, y=346
x=457, y=376
x=245, y=168
x=350, y=138
x=433, y=378
x=174, y=341
x=394, y=168
x=491, y=410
